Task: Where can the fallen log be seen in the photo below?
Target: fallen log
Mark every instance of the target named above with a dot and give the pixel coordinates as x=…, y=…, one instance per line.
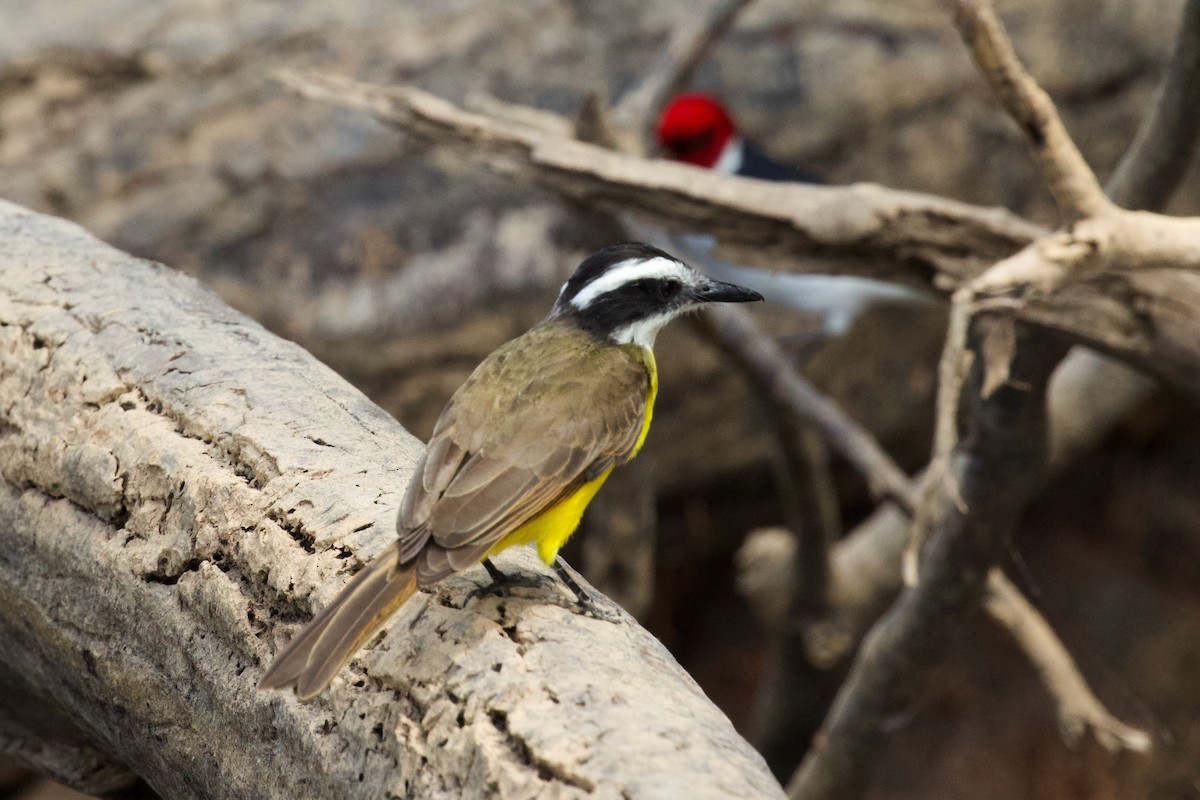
x=181, y=489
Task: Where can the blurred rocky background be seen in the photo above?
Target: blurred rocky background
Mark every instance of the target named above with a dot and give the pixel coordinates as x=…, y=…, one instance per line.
x=160, y=127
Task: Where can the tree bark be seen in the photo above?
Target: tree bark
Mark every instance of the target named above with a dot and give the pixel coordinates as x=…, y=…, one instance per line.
x=181, y=490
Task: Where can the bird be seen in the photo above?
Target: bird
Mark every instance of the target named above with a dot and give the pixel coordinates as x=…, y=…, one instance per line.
x=520, y=449
x=696, y=128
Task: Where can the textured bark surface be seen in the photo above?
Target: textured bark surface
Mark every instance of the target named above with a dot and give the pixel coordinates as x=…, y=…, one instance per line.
x=181, y=488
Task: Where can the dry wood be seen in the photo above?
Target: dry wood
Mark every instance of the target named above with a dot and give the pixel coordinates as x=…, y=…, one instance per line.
x=1090, y=393
x=979, y=485
x=538, y=157
x=181, y=489
x=864, y=228
x=1089, y=255
x=1123, y=282
x=766, y=577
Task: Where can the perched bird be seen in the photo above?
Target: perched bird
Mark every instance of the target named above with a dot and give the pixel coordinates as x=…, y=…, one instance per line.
x=696, y=128
x=521, y=448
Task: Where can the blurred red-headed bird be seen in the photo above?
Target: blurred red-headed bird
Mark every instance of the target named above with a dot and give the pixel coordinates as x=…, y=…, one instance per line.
x=697, y=129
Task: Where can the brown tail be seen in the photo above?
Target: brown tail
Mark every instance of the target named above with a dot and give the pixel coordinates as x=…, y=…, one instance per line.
x=310, y=660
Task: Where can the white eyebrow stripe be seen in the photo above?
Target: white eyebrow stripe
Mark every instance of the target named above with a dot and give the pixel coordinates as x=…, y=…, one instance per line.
x=628, y=272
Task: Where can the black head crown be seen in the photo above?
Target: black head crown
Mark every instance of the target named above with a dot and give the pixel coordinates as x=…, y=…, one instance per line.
x=626, y=292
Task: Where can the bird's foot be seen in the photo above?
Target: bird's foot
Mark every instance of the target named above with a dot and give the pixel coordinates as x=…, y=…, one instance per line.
x=584, y=600
x=502, y=582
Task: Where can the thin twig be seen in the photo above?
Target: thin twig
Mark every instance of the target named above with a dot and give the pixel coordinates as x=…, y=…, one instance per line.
x=953, y=366
x=1068, y=176
x=736, y=330
x=1079, y=710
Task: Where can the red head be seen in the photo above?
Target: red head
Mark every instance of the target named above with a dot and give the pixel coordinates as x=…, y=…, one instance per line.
x=694, y=128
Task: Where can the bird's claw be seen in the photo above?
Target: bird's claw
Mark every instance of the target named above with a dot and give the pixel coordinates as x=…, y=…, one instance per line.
x=502, y=582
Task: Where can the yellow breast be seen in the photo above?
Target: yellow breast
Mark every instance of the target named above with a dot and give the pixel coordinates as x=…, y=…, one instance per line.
x=551, y=529
x=647, y=358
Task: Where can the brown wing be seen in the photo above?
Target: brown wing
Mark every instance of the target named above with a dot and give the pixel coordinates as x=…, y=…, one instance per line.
x=539, y=417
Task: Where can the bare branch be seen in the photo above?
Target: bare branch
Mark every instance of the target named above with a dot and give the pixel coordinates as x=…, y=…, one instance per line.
x=861, y=229
x=884, y=676
x=526, y=116
x=766, y=565
x=1079, y=710
x=953, y=367
x=866, y=577
x=1106, y=284
x=672, y=70
x=1070, y=179
x=1091, y=392
x=1088, y=395
x=736, y=329
x=960, y=506
x=1159, y=156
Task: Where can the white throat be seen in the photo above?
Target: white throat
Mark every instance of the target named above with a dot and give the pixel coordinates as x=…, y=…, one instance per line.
x=732, y=156
x=643, y=331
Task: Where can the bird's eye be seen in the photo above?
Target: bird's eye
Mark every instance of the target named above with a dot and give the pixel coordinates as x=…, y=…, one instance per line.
x=666, y=289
